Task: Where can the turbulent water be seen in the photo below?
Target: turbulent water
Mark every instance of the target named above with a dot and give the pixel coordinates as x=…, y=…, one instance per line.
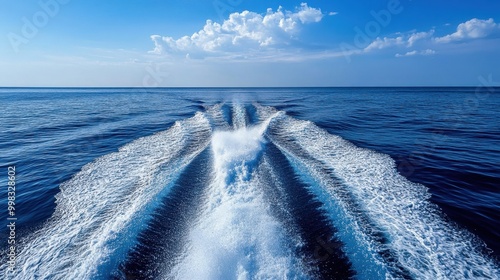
x=233, y=184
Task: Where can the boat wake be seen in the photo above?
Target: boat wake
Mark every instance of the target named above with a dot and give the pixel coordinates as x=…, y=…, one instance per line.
x=244, y=191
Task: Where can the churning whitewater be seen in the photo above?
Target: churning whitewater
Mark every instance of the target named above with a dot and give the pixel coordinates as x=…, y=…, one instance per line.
x=244, y=191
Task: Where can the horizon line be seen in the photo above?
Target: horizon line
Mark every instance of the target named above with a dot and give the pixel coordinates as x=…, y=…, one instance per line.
x=236, y=87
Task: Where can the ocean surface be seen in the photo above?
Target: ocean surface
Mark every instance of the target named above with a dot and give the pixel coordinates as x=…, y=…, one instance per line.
x=252, y=183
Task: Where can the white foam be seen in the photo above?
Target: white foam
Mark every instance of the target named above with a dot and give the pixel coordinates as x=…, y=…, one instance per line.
x=235, y=236
x=216, y=117
x=239, y=116
x=423, y=243
x=101, y=208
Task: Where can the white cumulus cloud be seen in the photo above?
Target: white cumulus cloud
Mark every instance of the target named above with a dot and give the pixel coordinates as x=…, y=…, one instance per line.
x=469, y=30
x=472, y=29
x=241, y=32
x=419, y=36
x=407, y=40
x=386, y=42
x=415, y=52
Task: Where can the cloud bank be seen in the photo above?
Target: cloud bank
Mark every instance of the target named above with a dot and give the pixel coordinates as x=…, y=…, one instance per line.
x=275, y=36
x=242, y=33
x=470, y=30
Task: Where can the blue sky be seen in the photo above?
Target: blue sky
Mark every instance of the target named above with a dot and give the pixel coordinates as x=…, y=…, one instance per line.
x=144, y=43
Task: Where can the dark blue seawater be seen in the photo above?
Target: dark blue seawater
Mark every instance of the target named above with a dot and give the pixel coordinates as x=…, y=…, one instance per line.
x=264, y=183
